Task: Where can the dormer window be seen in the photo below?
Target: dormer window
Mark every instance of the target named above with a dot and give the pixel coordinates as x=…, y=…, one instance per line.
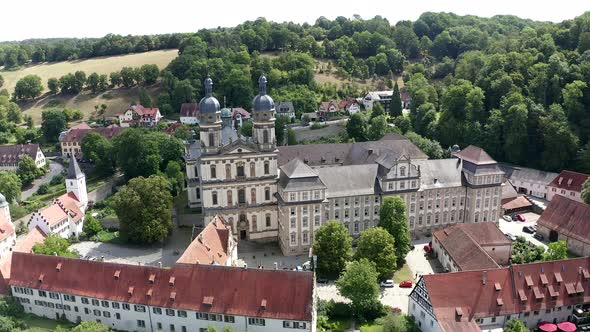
x=402, y=171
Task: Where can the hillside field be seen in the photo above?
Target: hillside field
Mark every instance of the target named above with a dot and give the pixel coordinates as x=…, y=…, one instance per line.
x=101, y=65
x=116, y=100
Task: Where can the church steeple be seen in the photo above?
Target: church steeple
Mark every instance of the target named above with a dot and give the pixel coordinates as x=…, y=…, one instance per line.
x=263, y=118
x=210, y=120
x=76, y=182
x=262, y=85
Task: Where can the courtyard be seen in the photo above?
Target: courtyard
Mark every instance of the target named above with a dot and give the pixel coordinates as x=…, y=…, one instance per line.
x=515, y=228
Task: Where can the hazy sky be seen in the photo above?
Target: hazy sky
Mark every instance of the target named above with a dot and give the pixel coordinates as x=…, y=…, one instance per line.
x=84, y=18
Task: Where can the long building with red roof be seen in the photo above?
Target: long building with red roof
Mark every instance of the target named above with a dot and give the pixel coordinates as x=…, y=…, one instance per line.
x=568, y=184
x=484, y=300
x=144, y=298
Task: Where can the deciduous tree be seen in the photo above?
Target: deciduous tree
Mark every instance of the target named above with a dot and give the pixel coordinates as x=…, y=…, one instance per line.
x=144, y=209
x=53, y=122
x=28, y=87
x=378, y=246
x=54, y=244
x=10, y=186
x=358, y=283
x=392, y=217
x=27, y=170
x=333, y=247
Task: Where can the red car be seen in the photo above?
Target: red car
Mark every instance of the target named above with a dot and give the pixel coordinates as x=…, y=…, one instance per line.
x=427, y=248
x=406, y=284
x=520, y=217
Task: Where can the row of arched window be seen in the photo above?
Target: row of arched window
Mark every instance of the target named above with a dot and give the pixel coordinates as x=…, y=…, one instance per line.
x=240, y=170
x=241, y=196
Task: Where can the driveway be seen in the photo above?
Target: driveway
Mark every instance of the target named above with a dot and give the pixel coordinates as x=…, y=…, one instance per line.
x=515, y=228
x=55, y=168
x=418, y=261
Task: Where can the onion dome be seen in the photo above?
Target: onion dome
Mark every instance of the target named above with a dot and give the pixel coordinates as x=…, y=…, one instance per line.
x=262, y=102
x=209, y=104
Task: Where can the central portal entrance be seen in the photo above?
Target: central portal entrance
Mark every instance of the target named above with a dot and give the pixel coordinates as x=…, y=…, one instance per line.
x=243, y=234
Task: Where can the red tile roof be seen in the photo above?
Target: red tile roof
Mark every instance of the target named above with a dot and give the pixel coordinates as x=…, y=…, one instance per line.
x=463, y=243
x=568, y=217
x=467, y=291
x=234, y=291
x=189, y=110
x=569, y=180
x=325, y=106
x=519, y=202
x=26, y=243
x=6, y=228
x=145, y=111
x=210, y=246
x=475, y=155
x=70, y=203
x=345, y=103
x=77, y=135
x=238, y=110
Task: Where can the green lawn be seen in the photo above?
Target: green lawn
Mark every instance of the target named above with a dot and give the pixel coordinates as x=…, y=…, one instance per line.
x=403, y=274
x=181, y=204
x=371, y=328
x=33, y=321
x=111, y=237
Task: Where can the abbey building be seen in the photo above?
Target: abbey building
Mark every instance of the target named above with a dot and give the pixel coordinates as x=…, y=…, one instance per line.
x=284, y=194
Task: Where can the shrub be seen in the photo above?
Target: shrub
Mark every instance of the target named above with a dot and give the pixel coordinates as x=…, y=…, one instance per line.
x=43, y=189
x=317, y=125
x=57, y=179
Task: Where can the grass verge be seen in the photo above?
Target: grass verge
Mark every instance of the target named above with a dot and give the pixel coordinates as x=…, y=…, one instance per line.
x=404, y=273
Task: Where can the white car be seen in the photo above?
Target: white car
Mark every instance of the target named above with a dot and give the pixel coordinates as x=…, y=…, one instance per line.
x=387, y=283
x=507, y=218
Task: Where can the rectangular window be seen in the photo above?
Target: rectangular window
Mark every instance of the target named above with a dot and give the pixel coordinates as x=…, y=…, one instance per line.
x=139, y=308
x=70, y=298
x=115, y=305
x=170, y=312
x=42, y=293
x=182, y=313
x=95, y=302
x=53, y=295
x=117, y=315
x=126, y=306
x=140, y=323
x=157, y=311
x=229, y=319
x=256, y=321
x=106, y=314
x=172, y=328
x=104, y=303
x=96, y=312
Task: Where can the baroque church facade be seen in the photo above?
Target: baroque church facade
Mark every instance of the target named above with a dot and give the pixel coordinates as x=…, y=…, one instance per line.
x=284, y=194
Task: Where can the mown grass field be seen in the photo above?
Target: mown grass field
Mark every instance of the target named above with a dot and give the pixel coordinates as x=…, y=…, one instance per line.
x=116, y=100
x=101, y=65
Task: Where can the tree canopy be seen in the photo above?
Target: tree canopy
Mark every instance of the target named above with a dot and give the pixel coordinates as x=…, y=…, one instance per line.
x=55, y=244
x=143, y=207
x=333, y=247
x=359, y=284
x=378, y=246
x=392, y=217
x=10, y=186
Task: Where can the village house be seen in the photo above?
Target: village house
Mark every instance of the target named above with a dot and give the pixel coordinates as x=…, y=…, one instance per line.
x=140, y=116
x=65, y=216
x=327, y=109
x=286, y=108
x=485, y=300
x=349, y=105
x=189, y=113
x=11, y=155
x=182, y=298
x=464, y=247
x=529, y=181
x=512, y=201
x=382, y=97
x=567, y=219
x=239, y=116
x=215, y=245
x=71, y=142
x=568, y=184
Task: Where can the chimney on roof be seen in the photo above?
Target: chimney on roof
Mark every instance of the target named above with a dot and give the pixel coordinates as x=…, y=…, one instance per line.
x=245, y=266
x=484, y=277
x=263, y=304
x=276, y=265
x=58, y=267
x=171, y=281
x=152, y=278
x=569, y=182
x=117, y=274
x=130, y=291
x=458, y=313
x=559, y=181
x=160, y=264
x=149, y=293
x=172, y=296
x=41, y=276
x=197, y=262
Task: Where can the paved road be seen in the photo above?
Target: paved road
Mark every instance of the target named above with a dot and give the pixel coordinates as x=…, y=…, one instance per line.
x=54, y=169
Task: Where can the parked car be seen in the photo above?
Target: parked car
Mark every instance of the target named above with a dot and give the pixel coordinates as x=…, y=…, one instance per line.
x=539, y=236
x=322, y=280
x=406, y=284
x=528, y=229
x=511, y=237
x=387, y=283
x=507, y=218
x=427, y=248
x=520, y=217
x=514, y=217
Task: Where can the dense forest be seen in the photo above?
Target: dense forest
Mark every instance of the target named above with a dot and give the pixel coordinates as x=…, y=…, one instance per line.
x=516, y=87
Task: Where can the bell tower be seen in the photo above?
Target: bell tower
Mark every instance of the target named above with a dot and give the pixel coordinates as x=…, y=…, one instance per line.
x=76, y=182
x=263, y=118
x=210, y=120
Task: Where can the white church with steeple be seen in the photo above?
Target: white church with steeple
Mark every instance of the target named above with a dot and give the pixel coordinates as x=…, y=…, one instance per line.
x=65, y=216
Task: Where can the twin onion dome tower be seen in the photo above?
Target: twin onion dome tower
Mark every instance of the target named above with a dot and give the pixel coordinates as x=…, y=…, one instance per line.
x=263, y=119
